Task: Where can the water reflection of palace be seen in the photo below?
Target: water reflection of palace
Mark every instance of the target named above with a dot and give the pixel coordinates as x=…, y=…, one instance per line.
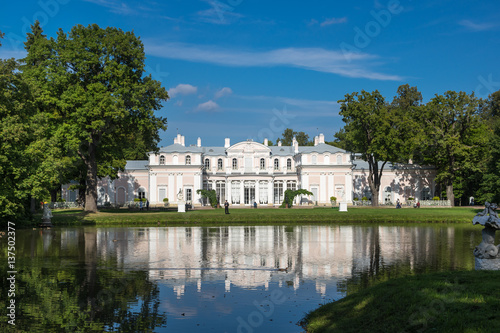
x=252, y=257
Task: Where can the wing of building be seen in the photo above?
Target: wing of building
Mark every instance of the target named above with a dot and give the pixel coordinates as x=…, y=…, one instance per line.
x=248, y=172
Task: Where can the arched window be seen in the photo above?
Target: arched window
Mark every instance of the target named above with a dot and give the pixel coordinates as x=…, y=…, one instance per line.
x=235, y=164
x=314, y=159
x=219, y=164
x=339, y=159
x=276, y=164
x=262, y=164
x=289, y=164
x=188, y=160
x=162, y=160
x=207, y=163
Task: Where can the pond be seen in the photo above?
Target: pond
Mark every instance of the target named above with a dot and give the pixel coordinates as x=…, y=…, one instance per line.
x=213, y=279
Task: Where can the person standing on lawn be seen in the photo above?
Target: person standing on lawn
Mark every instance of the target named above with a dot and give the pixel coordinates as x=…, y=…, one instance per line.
x=226, y=207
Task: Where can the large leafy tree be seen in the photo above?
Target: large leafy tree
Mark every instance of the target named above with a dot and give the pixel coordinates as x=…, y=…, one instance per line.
x=490, y=185
x=288, y=135
x=371, y=131
x=454, y=137
x=93, y=86
x=16, y=132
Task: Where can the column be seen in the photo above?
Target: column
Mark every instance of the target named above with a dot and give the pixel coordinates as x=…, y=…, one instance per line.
x=257, y=191
x=228, y=190
x=153, y=191
x=348, y=187
x=270, y=193
x=111, y=191
x=197, y=186
x=331, y=186
x=242, y=192
x=172, y=197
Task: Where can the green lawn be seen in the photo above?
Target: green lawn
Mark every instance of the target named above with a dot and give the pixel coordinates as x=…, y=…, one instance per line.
x=452, y=302
x=265, y=216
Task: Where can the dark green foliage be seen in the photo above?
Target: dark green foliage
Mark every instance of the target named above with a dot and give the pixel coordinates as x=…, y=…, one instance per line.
x=211, y=195
x=288, y=135
x=290, y=195
x=90, y=84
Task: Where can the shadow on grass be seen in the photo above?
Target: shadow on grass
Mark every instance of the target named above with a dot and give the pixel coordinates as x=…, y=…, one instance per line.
x=439, y=302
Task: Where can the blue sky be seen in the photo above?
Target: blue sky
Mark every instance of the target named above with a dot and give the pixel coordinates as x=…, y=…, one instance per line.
x=249, y=69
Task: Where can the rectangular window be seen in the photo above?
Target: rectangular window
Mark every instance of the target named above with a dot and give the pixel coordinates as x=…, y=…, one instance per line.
x=263, y=192
x=278, y=192
x=189, y=195
x=220, y=189
x=235, y=192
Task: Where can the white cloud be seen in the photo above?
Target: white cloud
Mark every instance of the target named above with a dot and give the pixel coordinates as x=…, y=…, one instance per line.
x=223, y=92
x=182, y=89
x=355, y=65
x=207, y=106
x=477, y=26
x=334, y=20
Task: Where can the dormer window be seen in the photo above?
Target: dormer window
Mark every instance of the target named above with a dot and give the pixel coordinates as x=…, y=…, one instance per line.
x=188, y=160
x=162, y=160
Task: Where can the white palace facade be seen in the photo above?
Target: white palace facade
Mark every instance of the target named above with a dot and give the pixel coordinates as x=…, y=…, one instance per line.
x=248, y=172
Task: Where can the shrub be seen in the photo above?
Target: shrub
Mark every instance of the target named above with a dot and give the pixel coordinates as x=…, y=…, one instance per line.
x=435, y=198
x=165, y=200
x=355, y=199
x=364, y=198
x=410, y=198
x=333, y=198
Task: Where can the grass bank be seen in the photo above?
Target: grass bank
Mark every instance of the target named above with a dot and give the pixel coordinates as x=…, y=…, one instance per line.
x=464, y=301
x=266, y=216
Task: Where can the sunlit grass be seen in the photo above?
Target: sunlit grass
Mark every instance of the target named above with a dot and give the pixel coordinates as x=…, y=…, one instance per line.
x=466, y=301
x=266, y=216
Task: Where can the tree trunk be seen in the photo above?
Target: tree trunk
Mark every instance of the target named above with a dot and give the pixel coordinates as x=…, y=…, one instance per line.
x=375, y=192
x=449, y=193
x=53, y=194
x=91, y=181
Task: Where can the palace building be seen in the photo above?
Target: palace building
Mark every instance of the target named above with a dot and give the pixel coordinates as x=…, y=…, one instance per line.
x=248, y=172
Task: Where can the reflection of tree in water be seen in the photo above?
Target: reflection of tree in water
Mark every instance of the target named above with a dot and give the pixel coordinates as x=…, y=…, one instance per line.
x=54, y=295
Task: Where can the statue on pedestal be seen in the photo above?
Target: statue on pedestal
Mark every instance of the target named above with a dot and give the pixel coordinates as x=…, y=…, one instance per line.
x=487, y=249
x=46, y=217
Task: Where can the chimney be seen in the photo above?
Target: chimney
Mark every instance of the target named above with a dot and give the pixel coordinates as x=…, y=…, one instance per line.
x=227, y=143
x=295, y=145
x=316, y=140
x=321, y=138
x=175, y=140
x=198, y=143
x=279, y=143
x=266, y=142
x=182, y=140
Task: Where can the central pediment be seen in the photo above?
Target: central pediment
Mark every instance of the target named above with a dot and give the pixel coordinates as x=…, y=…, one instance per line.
x=248, y=147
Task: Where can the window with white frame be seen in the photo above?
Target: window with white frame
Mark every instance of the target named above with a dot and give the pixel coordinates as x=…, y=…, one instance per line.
x=278, y=192
x=289, y=164
x=235, y=164
x=162, y=160
x=263, y=192
x=262, y=164
x=314, y=159
x=207, y=164
x=339, y=159
x=276, y=164
x=235, y=192
x=188, y=160
x=219, y=164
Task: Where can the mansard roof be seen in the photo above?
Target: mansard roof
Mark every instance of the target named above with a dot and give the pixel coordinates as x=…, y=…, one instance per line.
x=137, y=165
x=321, y=148
x=282, y=150
x=178, y=148
x=214, y=151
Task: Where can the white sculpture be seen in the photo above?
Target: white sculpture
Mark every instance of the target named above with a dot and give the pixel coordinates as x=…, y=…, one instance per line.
x=491, y=222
